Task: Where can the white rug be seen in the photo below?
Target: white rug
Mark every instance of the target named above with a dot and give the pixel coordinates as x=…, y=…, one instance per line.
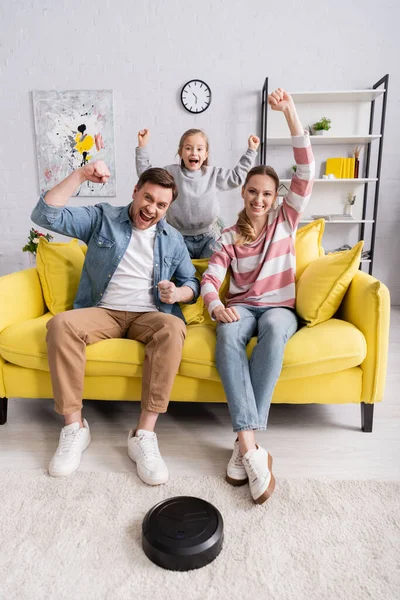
x=80, y=538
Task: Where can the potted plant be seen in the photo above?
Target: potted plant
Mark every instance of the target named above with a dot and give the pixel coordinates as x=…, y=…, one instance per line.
x=321, y=126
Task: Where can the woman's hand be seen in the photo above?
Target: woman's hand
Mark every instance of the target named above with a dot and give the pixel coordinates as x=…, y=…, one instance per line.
x=97, y=172
x=143, y=138
x=280, y=100
x=226, y=315
x=283, y=102
x=254, y=142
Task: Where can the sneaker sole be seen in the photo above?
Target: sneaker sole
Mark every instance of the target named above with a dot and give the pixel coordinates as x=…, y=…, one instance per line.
x=271, y=486
x=55, y=473
x=144, y=478
x=236, y=482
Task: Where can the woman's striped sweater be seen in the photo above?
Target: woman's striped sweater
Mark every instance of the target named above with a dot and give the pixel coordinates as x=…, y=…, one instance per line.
x=263, y=272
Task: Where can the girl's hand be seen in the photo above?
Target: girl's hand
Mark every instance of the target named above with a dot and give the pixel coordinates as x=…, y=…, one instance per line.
x=143, y=137
x=280, y=100
x=97, y=172
x=168, y=292
x=254, y=142
x=226, y=315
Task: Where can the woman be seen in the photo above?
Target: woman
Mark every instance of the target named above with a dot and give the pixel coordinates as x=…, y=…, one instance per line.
x=259, y=252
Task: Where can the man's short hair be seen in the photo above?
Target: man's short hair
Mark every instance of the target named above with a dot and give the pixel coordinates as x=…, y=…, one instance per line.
x=158, y=176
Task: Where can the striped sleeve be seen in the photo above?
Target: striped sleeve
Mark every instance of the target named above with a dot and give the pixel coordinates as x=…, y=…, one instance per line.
x=214, y=276
x=302, y=182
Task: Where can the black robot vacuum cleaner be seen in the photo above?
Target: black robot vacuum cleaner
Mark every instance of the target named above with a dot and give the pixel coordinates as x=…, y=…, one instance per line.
x=182, y=533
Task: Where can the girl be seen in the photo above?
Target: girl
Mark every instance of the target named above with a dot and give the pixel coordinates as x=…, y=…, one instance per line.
x=196, y=210
x=260, y=255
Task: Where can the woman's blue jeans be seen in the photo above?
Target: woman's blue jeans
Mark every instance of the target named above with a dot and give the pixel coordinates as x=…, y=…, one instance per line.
x=249, y=384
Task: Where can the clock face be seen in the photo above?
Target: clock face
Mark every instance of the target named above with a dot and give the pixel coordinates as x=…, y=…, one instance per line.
x=196, y=96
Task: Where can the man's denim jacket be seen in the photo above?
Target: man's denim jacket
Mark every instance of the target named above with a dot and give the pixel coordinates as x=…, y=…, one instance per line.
x=107, y=231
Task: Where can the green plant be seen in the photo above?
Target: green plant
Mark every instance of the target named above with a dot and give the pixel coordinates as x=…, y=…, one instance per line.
x=323, y=124
x=294, y=168
x=33, y=240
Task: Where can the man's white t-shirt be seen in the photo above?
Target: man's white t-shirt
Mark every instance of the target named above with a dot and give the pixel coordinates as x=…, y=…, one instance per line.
x=131, y=286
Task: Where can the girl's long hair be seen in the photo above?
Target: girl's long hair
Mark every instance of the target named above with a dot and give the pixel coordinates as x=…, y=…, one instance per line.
x=187, y=134
x=246, y=233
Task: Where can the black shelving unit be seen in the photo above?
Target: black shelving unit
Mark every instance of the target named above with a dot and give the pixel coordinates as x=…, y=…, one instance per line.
x=366, y=208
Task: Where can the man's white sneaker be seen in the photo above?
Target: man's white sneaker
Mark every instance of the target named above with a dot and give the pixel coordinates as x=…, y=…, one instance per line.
x=143, y=450
x=235, y=472
x=73, y=441
x=258, y=465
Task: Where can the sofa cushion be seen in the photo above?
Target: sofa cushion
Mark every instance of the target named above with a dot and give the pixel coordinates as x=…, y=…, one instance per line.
x=193, y=313
x=323, y=284
x=24, y=344
x=332, y=346
x=308, y=244
x=59, y=267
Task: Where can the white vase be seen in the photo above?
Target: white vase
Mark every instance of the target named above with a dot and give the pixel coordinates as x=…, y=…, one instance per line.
x=348, y=209
x=32, y=260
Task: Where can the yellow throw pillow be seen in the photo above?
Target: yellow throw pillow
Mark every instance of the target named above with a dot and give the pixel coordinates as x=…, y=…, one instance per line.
x=323, y=284
x=59, y=267
x=193, y=313
x=201, y=265
x=308, y=245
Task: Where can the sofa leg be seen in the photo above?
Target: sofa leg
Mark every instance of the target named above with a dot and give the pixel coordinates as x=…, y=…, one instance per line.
x=3, y=410
x=367, y=417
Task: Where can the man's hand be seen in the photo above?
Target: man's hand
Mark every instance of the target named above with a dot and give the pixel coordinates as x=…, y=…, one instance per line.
x=169, y=293
x=226, y=315
x=280, y=100
x=97, y=172
x=143, y=138
x=254, y=142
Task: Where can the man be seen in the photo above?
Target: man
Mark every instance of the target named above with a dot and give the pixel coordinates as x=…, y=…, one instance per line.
x=125, y=291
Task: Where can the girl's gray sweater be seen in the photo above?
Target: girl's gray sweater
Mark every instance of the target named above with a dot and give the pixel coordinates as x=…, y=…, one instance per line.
x=196, y=207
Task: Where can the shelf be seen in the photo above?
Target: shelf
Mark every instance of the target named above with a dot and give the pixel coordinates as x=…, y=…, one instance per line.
x=319, y=140
x=354, y=180
x=346, y=221
x=337, y=96
x=365, y=260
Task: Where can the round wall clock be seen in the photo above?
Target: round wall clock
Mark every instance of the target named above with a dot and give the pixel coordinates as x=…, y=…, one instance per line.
x=196, y=96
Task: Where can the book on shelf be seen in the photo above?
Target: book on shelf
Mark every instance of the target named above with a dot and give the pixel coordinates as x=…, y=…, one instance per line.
x=334, y=217
x=341, y=168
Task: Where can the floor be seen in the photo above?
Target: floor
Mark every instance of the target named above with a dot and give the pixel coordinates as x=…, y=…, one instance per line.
x=313, y=441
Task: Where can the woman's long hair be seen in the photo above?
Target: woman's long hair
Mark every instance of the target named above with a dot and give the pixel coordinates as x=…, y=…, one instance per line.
x=246, y=233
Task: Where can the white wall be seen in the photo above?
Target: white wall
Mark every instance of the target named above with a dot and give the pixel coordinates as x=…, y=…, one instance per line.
x=145, y=51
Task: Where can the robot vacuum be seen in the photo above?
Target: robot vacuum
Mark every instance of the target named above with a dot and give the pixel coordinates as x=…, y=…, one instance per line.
x=182, y=533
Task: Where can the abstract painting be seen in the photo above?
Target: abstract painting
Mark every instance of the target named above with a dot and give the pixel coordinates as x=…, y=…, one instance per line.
x=68, y=125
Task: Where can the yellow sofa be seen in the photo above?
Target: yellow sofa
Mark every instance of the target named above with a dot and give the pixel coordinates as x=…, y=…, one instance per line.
x=342, y=360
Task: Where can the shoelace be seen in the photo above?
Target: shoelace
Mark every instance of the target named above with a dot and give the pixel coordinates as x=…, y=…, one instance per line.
x=67, y=442
x=149, y=447
x=252, y=468
x=237, y=457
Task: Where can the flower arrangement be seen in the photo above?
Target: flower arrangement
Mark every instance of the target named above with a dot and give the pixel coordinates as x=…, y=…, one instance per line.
x=33, y=240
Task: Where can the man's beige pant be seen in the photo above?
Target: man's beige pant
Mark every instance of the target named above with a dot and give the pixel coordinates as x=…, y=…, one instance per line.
x=69, y=333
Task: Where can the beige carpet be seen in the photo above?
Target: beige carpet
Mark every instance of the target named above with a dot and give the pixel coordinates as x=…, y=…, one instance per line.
x=80, y=538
